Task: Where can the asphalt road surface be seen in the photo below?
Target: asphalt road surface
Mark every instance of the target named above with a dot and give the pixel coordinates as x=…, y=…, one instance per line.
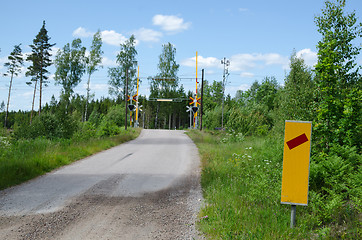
x=147, y=188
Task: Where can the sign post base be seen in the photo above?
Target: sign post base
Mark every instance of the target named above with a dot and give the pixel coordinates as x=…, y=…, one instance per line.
x=292, y=215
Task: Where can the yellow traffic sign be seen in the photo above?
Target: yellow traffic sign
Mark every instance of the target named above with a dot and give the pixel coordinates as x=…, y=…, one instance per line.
x=296, y=158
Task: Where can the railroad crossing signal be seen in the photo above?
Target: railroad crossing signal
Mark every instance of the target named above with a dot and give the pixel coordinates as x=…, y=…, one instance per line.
x=194, y=109
x=189, y=108
x=135, y=97
x=195, y=101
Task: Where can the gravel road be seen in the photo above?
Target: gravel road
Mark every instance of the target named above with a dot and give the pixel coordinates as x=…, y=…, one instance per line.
x=148, y=188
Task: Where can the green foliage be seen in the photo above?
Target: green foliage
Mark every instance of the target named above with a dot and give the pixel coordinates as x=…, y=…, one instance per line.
x=212, y=95
x=13, y=69
x=126, y=60
x=95, y=117
x=93, y=62
x=40, y=60
x=70, y=66
x=249, y=120
x=15, y=62
x=47, y=125
x=337, y=76
x=165, y=83
x=296, y=99
x=107, y=128
x=212, y=118
x=116, y=115
x=241, y=183
x=336, y=178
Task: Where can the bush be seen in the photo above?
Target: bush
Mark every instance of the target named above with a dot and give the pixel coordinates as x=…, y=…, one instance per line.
x=86, y=130
x=107, y=128
x=47, y=125
x=116, y=115
x=249, y=120
x=95, y=118
x=212, y=118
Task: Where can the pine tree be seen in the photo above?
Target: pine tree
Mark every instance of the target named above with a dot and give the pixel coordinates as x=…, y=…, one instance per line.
x=14, y=68
x=40, y=58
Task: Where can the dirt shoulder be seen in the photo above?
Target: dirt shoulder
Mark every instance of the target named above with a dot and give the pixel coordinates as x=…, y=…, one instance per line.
x=167, y=214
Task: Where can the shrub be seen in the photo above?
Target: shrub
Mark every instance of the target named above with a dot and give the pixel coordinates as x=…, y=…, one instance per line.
x=47, y=125
x=107, y=128
x=116, y=115
x=249, y=120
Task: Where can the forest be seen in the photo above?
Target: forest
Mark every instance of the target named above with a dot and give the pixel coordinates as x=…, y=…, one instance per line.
x=329, y=95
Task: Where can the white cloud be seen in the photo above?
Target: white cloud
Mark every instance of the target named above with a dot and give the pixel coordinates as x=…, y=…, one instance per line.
x=310, y=57
x=27, y=94
x=112, y=38
x=108, y=62
x=170, y=23
x=243, y=62
x=208, y=62
x=99, y=86
x=96, y=86
x=147, y=35
x=246, y=61
x=82, y=32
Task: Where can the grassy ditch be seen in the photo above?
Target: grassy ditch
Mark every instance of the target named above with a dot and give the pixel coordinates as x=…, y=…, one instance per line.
x=241, y=181
x=22, y=160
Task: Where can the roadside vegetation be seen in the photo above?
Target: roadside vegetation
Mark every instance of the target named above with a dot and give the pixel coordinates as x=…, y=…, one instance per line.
x=241, y=182
x=22, y=158
x=242, y=165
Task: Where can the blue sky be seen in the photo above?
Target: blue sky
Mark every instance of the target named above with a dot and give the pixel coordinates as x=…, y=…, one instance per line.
x=257, y=37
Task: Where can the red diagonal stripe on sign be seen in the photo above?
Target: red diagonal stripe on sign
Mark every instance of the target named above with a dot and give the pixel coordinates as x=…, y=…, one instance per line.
x=295, y=142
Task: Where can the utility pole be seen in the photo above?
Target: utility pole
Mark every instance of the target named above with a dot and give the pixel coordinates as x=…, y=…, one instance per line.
x=226, y=63
x=202, y=97
x=125, y=99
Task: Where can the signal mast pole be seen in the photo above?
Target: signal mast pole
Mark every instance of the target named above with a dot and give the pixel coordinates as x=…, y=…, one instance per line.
x=226, y=63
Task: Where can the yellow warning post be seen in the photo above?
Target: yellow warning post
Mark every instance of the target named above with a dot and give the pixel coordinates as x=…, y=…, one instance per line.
x=296, y=158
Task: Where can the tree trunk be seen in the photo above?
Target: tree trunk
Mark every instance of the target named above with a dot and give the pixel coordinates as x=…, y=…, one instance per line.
x=7, y=107
x=86, y=102
x=157, y=109
x=125, y=100
x=169, y=121
x=32, y=105
x=41, y=84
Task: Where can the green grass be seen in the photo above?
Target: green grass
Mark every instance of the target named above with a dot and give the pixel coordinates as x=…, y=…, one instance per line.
x=25, y=159
x=241, y=182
